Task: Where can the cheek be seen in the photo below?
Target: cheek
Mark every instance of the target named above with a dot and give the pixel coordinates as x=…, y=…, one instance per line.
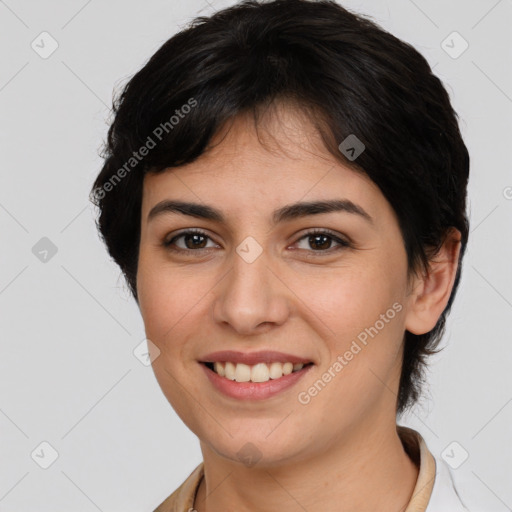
x=163, y=299
x=173, y=304
x=170, y=311
x=348, y=301
x=365, y=312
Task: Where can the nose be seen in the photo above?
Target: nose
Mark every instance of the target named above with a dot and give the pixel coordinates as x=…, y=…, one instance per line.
x=251, y=298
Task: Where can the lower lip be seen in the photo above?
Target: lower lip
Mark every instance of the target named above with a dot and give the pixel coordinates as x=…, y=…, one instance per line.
x=254, y=390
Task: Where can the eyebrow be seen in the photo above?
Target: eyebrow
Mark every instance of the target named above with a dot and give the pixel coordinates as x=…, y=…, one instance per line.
x=286, y=213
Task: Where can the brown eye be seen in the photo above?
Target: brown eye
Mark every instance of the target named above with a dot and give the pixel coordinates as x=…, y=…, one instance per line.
x=320, y=241
x=316, y=241
x=192, y=240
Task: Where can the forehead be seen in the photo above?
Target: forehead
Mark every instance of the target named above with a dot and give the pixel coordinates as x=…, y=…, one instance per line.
x=280, y=160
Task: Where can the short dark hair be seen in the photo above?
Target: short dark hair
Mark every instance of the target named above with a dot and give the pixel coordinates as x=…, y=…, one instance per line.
x=351, y=77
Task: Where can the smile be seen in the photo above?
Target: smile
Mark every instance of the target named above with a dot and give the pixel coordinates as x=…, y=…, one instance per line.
x=260, y=372
x=274, y=378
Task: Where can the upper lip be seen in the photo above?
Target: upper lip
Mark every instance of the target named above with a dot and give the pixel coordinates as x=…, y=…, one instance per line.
x=251, y=358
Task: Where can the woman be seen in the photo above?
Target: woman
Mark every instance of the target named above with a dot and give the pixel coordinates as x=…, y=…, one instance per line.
x=284, y=189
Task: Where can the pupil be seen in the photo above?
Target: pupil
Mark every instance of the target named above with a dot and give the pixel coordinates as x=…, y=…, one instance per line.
x=194, y=237
x=316, y=238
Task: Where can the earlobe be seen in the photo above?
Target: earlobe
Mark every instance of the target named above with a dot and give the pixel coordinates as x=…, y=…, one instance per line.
x=432, y=290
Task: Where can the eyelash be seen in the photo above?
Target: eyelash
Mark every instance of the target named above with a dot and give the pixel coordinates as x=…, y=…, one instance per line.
x=343, y=244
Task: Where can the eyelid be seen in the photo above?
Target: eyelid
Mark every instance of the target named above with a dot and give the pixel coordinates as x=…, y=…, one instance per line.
x=324, y=231
x=186, y=231
x=342, y=241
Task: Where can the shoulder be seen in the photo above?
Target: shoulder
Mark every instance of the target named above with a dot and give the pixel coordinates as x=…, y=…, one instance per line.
x=445, y=496
x=452, y=493
x=182, y=499
x=436, y=489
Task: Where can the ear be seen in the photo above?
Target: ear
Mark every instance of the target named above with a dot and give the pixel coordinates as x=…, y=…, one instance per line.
x=431, y=291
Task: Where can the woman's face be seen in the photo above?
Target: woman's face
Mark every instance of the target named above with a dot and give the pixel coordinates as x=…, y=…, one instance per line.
x=254, y=282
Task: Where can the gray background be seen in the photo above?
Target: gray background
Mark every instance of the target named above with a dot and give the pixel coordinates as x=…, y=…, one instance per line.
x=69, y=326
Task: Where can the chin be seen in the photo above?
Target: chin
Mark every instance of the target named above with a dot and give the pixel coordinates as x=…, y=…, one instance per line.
x=256, y=448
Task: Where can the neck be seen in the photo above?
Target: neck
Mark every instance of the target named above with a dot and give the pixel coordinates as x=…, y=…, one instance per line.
x=366, y=470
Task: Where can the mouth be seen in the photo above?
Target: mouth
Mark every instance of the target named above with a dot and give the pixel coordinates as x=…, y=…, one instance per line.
x=259, y=381
x=257, y=373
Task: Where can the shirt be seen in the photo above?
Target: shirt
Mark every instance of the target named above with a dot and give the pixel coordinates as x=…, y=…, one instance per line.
x=434, y=490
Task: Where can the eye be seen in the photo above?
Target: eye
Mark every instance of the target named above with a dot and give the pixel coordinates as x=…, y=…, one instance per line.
x=320, y=241
x=193, y=239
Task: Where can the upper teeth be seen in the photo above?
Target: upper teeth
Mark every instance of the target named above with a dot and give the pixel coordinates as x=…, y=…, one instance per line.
x=260, y=372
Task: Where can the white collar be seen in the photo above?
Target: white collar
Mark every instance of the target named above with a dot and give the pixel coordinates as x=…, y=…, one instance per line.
x=435, y=489
x=444, y=497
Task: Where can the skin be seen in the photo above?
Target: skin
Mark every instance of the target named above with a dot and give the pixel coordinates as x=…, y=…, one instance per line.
x=341, y=451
